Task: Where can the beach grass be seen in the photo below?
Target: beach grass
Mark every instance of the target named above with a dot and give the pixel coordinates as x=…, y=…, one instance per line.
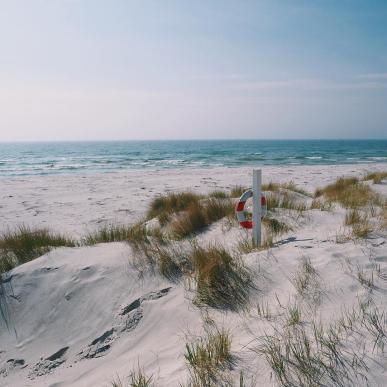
x=290, y=186
x=24, y=244
x=349, y=192
x=116, y=233
x=376, y=177
x=200, y=215
x=299, y=358
x=222, y=280
x=207, y=357
x=137, y=378
x=163, y=206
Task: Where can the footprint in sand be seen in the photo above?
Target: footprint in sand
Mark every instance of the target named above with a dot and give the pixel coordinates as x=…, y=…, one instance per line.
x=130, y=316
x=47, y=365
x=12, y=365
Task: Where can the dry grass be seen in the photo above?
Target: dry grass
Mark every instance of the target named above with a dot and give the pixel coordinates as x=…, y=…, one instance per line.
x=117, y=233
x=299, y=358
x=218, y=194
x=359, y=222
x=284, y=200
x=306, y=281
x=349, y=192
x=164, y=206
x=137, y=378
x=222, y=280
x=200, y=215
x=290, y=186
x=237, y=191
x=320, y=204
x=207, y=357
x=275, y=226
x=25, y=244
x=376, y=177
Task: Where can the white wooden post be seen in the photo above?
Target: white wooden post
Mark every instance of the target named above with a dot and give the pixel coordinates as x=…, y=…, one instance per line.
x=257, y=181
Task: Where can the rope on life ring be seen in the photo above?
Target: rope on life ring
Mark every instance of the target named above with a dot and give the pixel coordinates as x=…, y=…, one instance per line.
x=240, y=209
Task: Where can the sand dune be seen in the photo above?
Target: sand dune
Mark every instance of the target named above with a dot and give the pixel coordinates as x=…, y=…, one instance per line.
x=84, y=316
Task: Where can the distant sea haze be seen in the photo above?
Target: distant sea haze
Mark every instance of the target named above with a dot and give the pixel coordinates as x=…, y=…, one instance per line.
x=48, y=158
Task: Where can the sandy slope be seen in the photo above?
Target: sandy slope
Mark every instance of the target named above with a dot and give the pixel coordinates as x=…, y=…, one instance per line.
x=81, y=316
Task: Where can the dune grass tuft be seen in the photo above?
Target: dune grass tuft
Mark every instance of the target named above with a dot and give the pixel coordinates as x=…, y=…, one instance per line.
x=306, y=281
x=299, y=358
x=207, y=357
x=349, y=192
x=290, y=186
x=284, y=200
x=218, y=194
x=376, y=177
x=237, y=191
x=116, y=233
x=25, y=244
x=164, y=206
x=222, y=280
x=137, y=378
x=199, y=215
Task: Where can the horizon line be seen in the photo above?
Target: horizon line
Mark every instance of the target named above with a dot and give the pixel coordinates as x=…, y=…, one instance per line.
x=191, y=139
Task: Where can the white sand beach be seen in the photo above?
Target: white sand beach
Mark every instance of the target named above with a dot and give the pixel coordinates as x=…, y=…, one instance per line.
x=85, y=316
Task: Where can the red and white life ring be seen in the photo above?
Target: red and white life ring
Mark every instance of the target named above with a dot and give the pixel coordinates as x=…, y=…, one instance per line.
x=240, y=209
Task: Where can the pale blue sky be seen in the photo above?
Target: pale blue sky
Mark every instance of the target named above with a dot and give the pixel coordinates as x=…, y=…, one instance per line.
x=116, y=69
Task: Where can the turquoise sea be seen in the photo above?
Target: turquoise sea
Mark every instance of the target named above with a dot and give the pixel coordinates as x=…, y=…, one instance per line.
x=47, y=158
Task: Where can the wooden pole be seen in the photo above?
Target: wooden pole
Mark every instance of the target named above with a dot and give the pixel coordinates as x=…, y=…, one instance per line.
x=257, y=182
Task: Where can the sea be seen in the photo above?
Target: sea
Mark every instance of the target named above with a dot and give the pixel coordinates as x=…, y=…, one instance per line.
x=49, y=158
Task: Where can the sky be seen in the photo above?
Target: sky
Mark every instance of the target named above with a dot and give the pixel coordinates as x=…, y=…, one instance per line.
x=164, y=69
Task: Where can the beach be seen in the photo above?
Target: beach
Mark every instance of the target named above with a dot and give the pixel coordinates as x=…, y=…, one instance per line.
x=78, y=203
x=86, y=315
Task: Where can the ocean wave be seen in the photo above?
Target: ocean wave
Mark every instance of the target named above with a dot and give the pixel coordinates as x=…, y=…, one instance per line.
x=377, y=158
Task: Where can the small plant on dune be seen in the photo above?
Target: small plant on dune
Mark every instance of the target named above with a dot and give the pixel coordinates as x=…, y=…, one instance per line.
x=218, y=194
x=349, y=192
x=165, y=205
x=362, y=230
x=270, y=186
x=193, y=221
x=306, y=281
x=352, y=216
x=116, y=233
x=207, y=357
x=275, y=226
x=200, y=215
x=216, y=209
x=170, y=260
x=293, y=316
x=25, y=244
x=376, y=177
x=263, y=310
x=137, y=378
x=284, y=200
x=365, y=278
x=237, y=191
x=290, y=186
x=320, y=204
x=375, y=322
x=299, y=358
x=222, y=280
x=246, y=245
x=161, y=255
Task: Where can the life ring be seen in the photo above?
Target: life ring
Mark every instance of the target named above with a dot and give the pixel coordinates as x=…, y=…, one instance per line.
x=240, y=212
